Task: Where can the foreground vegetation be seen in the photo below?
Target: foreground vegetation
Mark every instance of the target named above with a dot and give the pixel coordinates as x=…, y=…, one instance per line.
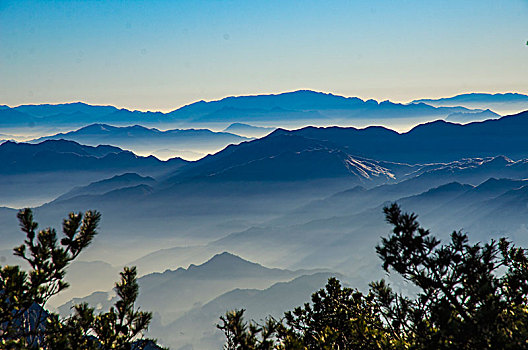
x=24, y=322
x=468, y=296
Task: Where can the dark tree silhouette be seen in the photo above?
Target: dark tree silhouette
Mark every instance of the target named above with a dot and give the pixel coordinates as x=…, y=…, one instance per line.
x=241, y=335
x=24, y=321
x=470, y=296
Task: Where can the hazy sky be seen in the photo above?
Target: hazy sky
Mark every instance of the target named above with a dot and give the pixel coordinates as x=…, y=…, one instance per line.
x=159, y=55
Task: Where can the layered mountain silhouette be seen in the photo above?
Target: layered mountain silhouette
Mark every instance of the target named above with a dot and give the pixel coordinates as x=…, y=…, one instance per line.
x=172, y=293
x=260, y=179
x=114, y=183
x=76, y=113
x=299, y=200
x=248, y=130
x=501, y=103
x=305, y=104
x=464, y=117
x=287, y=158
x=186, y=302
x=327, y=238
x=47, y=110
x=437, y=141
x=302, y=105
x=194, y=328
x=36, y=173
x=62, y=155
x=142, y=139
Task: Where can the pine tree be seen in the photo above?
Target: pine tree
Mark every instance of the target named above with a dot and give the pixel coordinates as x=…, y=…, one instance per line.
x=470, y=296
x=24, y=321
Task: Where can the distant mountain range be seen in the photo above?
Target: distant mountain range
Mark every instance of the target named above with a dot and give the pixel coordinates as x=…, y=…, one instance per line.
x=76, y=113
x=464, y=117
x=303, y=201
x=187, y=302
x=325, y=232
x=140, y=139
x=311, y=225
x=248, y=130
x=296, y=166
x=33, y=174
x=367, y=156
x=62, y=155
x=502, y=103
x=352, y=201
x=196, y=328
x=303, y=106
x=283, y=157
x=437, y=141
x=172, y=293
x=107, y=185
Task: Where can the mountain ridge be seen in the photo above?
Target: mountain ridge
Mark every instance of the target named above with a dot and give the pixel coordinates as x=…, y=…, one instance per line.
x=288, y=106
x=436, y=141
x=498, y=102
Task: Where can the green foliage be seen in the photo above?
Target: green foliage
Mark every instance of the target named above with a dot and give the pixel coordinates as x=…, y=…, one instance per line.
x=24, y=322
x=470, y=296
x=115, y=329
x=48, y=260
x=243, y=336
x=339, y=318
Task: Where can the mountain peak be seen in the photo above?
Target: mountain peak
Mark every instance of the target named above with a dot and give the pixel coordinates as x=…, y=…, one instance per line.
x=499, y=161
x=225, y=259
x=97, y=127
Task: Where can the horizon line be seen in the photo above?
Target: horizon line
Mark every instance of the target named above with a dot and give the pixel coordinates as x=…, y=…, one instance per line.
x=166, y=111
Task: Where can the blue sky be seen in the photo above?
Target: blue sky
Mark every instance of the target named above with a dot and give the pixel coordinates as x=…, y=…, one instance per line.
x=159, y=55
